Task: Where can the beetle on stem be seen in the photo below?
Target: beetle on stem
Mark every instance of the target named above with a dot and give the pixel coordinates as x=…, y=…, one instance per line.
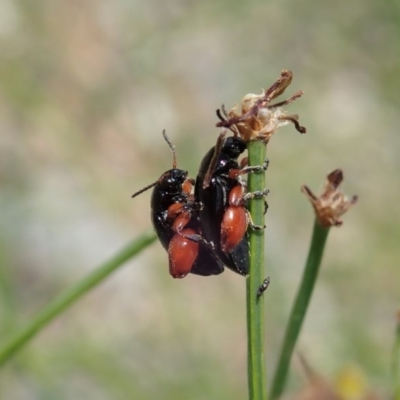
x=174, y=216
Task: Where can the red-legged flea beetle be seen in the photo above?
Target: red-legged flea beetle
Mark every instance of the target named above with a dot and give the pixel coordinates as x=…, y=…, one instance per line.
x=223, y=217
x=174, y=217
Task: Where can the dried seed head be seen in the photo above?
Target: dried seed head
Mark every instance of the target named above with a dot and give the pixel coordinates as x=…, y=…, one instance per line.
x=257, y=118
x=332, y=203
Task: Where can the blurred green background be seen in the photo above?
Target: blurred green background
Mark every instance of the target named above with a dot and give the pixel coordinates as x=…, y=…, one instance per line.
x=85, y=91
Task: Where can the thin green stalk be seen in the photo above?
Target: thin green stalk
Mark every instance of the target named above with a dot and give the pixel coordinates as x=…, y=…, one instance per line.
x=299, y=309
x=7, y=295
x=71, y=295
x=396, y=361
x=255, y=307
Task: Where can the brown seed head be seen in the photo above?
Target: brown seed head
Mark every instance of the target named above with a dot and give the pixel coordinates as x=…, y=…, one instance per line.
x=257, y=118
x=332, y=203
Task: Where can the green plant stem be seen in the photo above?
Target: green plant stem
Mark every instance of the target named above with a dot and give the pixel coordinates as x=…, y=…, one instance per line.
x=299, y=309
x=255, y=307
x=7, y=295
x=71, y=295
x=396, y=360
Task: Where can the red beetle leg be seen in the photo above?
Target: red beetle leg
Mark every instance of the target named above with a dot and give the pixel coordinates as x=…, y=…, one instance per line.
x=234, y=173
x=182, y=253
x=175, y=209
x=244, y=162
x=179, y=224
x=236, y=196
x=181, y=221
x=187, y=186
x=235, y=220
x=233, y=227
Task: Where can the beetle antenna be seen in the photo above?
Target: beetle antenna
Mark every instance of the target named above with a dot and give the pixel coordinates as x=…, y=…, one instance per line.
x=214, y=159
x=172, y=147
x=144, y=189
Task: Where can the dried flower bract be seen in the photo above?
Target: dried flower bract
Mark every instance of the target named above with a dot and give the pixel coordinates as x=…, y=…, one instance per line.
x=332, y=203
x=257, y=118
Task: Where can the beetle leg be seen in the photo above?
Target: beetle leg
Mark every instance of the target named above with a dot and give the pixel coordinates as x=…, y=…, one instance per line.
x=255, y=168
x=192, y=237
x=183, y=215
x=197, y=238
x=253, y=225
x=182, y=253
x=256, y=195
x=233, y=227
x=179, y=226
x=244, y=162
x=187, y=186
x=210, y=245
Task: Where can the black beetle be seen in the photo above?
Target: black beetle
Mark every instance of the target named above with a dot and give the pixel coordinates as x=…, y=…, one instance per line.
x=223, y=217
x=174, y=214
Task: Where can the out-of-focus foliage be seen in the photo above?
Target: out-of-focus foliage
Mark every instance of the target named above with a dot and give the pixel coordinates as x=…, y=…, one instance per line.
x=85, y=91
